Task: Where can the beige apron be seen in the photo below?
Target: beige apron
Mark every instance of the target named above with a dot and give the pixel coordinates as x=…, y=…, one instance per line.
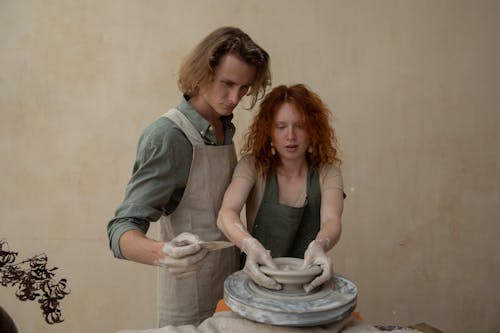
x=192, y=299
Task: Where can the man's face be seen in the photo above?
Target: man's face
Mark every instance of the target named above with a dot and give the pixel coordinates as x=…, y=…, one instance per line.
x=231, y=81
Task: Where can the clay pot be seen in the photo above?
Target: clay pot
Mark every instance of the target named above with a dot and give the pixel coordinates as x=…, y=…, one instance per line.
x=290, y=274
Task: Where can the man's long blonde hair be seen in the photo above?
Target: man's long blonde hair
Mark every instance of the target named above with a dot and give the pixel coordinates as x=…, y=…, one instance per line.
x=199, y=66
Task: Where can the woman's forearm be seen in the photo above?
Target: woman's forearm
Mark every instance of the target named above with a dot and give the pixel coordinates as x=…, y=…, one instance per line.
x=231, y=225
x=329, y=233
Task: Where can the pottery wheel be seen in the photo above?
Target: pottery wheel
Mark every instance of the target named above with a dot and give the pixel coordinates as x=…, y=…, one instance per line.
x=329, y=303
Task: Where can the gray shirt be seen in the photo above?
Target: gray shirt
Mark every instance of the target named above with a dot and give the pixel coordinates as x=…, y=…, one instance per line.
x=160, y=172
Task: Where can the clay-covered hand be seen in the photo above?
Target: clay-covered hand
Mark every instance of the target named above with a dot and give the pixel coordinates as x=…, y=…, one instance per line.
x=315, y=255
x=257, y=254
x=183, y=254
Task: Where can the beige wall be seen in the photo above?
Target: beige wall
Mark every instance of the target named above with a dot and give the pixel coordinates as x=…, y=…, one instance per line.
x=415, y=89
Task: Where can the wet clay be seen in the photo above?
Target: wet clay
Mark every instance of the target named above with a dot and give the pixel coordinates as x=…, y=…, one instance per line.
x=290, y=274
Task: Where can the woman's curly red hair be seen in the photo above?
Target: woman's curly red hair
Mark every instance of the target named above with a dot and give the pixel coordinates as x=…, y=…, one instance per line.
x=316, y=120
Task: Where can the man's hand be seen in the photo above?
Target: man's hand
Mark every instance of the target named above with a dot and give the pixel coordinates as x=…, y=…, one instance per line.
x=183, y=254
x=257, y=254
x=315, y=255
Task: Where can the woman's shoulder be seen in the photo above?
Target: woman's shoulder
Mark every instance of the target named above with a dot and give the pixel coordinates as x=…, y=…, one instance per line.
x=246, y=168
x=331, y=176
x=247, y=159
x=329, y=169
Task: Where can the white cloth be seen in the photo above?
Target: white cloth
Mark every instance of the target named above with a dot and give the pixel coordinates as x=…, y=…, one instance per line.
x=229, y=321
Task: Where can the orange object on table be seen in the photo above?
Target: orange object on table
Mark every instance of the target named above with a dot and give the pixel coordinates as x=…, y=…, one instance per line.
x=222, y=306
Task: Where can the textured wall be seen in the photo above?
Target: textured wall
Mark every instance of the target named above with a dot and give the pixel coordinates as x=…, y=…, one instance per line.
x=414, y=87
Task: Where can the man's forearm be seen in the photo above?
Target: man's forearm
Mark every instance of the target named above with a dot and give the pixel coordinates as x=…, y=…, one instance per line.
x=135, y=246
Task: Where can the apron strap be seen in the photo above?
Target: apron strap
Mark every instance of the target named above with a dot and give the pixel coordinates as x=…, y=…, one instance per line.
x=185, y=125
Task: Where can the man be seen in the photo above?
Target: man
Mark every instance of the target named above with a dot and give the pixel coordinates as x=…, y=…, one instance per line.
x=184, y=163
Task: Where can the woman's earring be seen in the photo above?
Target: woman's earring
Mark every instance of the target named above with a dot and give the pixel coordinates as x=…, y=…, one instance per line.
x=310, y=149
x=273, y=151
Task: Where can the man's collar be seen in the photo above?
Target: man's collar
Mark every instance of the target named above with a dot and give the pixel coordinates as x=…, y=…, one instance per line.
x=200, y=123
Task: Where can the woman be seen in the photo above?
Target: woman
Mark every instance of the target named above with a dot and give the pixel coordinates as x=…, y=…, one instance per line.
x=291, y=184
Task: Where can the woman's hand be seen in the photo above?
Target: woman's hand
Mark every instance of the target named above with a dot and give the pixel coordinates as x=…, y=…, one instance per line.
x=315, y=255
x=257, y=254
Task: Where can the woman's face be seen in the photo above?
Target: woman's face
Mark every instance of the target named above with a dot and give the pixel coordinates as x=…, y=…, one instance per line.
x=290, y=138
